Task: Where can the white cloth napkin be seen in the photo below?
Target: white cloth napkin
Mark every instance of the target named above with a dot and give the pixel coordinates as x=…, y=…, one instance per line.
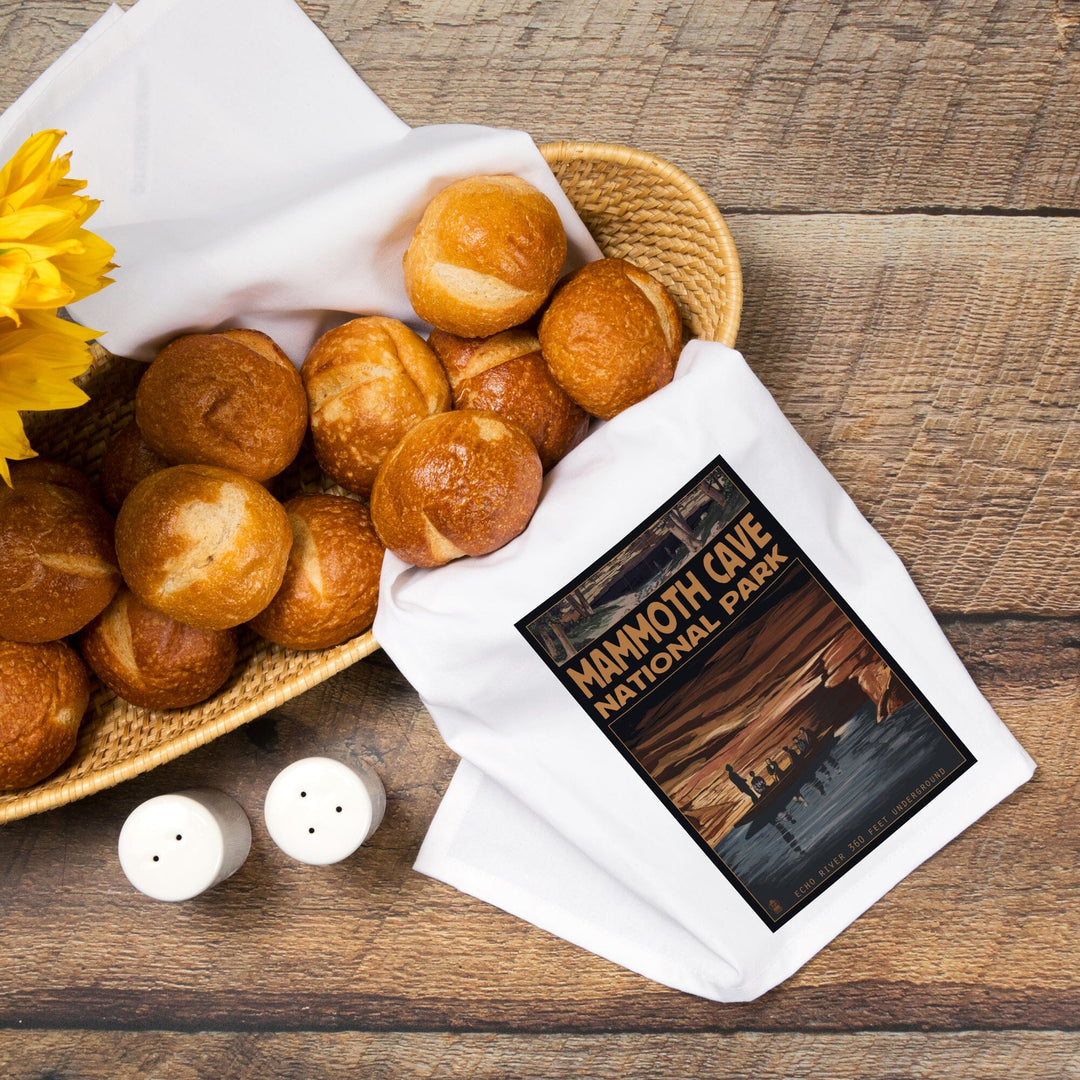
x=247, y=175
x=548, y=820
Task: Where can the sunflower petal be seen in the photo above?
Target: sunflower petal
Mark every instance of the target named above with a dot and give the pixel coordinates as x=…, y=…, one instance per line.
x=43, y=350
x=31, y=164
x=14, y=445
x=47, y=260
x=16, y=274
x=52, y=323
x=23, y=224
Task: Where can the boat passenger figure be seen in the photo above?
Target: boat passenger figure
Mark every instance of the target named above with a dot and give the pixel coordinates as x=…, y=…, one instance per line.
x=775, y=769
x=740, y=783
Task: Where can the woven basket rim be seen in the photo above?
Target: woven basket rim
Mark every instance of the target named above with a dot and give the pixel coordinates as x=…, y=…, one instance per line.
x=35, y=802
x=712, y=219
x=48, y=796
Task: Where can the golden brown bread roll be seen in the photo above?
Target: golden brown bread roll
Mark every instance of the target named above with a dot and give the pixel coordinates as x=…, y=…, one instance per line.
x=44, y=692
x=507, y=374
x=58, y=568
x=203, y=544
x=151, y=659
x=368, y=382
x=128, y=459
x=331, y=584
x=232, y=399
x=47, y=471
x=611, y=336
x=460, y=483
x=485, y=255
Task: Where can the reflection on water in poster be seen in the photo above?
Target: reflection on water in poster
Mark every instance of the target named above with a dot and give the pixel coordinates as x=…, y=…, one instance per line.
x=866, y=779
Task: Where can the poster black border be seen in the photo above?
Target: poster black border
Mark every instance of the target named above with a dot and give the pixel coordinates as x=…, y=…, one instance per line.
x=767, y=519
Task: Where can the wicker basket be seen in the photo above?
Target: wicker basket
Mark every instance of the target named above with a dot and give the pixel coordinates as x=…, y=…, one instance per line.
x=636, y=206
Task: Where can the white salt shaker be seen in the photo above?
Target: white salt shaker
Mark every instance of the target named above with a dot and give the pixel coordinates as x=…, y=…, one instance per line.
x=174, y=847
x=319, y=810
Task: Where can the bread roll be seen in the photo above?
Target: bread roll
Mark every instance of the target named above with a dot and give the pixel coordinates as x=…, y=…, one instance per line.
x=232, y=399
x=47, y=471
x=128, y=459
x=485, y=255
x=152, y=660
x=460, y=483
x=203, y=544
x=611, y=336
x=44, y=692
x=58, y=568
x=507, y=374
x=368, y=382
x=331, y=584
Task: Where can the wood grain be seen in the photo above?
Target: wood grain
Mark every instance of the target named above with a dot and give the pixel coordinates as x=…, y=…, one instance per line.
x=1004, y=1055
x=930, y=362
x=770, y=104
x=903, y=184
x=989, y=932
x=776, y=105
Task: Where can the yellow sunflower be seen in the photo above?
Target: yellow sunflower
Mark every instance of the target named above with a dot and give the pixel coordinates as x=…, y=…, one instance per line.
x=47, y=260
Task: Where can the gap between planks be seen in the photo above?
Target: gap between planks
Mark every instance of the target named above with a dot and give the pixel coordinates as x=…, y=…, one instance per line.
x=405, y=1055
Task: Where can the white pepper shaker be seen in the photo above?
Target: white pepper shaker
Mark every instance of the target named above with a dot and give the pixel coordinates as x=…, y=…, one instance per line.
x=319, y=810
x=176, y=846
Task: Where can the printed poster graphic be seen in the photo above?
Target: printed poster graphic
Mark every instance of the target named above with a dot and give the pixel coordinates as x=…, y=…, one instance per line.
x=742, y=689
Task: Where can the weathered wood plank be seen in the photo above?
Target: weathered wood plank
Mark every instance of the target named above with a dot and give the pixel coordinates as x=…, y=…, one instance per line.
x=930, y=362
x=33, y=35
x=1006, y=1055
x=928, y=359
x=780, y=105
x=985, y=934
x=777, y=105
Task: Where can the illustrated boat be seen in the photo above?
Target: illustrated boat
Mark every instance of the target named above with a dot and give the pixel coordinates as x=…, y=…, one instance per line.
x=779, y=793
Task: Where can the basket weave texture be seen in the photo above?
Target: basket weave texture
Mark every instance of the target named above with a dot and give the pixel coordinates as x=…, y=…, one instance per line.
x=636, y=206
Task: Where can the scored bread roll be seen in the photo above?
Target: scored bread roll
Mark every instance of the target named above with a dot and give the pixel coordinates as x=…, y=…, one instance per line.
x=232, y=399
x=205, y=545
x=151, y=659
x=460, y=483
x=485, y=255
x=507, y=374
x=611, y=336
x=128, y=459
x=368, y=381
x=331, y=584
x=44, y=692
x=58, y=567
x=47, y=471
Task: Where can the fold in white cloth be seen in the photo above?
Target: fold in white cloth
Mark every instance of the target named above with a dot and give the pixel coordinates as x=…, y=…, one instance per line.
x=249, y=177
x=600, y=831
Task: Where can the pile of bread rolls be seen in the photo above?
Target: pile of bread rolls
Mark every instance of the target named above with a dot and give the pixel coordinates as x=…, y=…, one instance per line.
x=438, y=448
x=527, y=359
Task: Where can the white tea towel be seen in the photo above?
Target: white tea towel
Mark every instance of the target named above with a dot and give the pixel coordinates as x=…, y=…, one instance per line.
x=247, y=175
x=695, y=592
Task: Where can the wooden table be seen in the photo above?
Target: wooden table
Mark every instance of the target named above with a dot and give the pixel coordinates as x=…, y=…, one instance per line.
x=903, y=183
